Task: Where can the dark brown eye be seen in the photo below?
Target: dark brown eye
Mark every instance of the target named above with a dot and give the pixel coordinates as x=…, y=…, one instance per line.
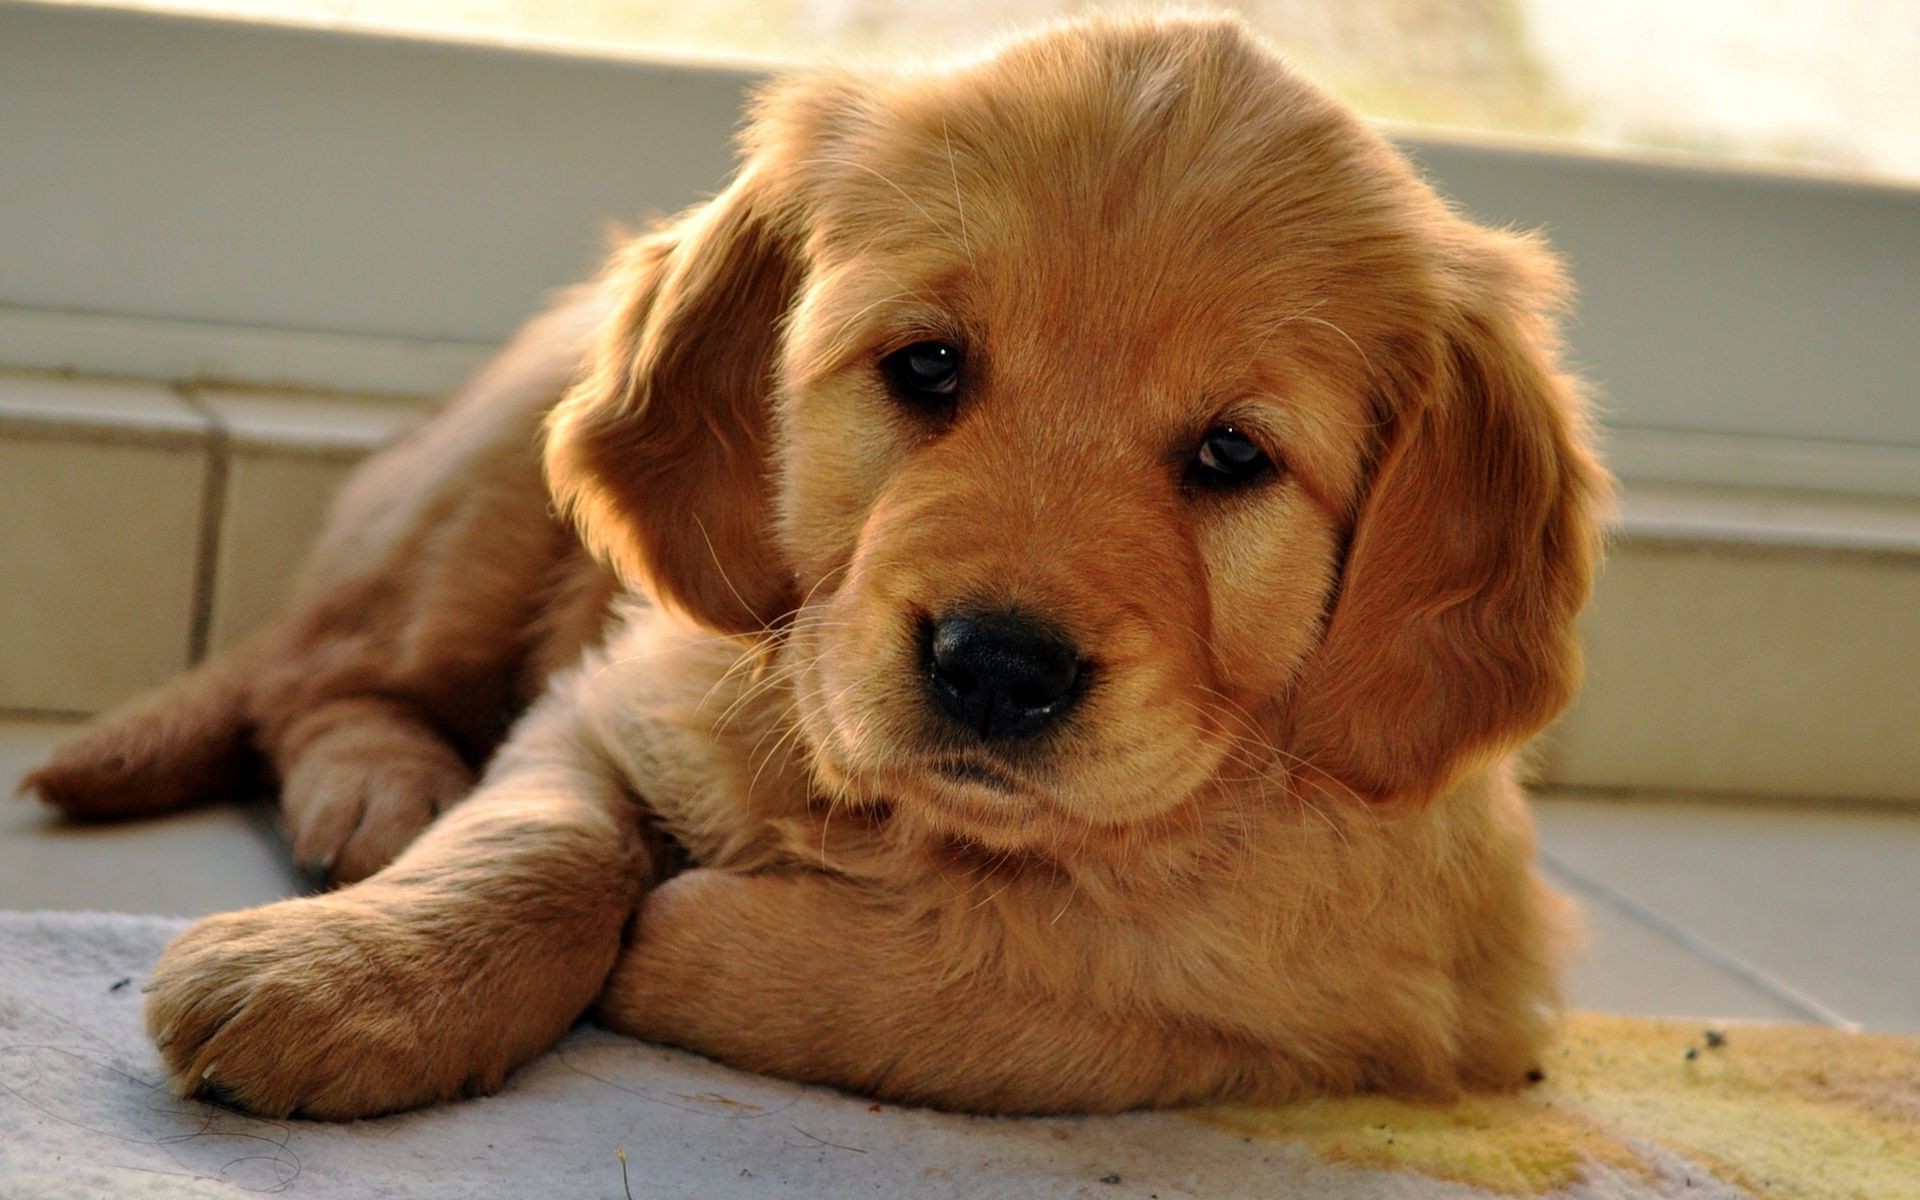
x=1228, y=458
x=924, y=373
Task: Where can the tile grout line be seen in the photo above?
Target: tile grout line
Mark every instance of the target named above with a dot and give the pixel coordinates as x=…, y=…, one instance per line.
x=213, y=513
x=1775, y=988
x=14, y=712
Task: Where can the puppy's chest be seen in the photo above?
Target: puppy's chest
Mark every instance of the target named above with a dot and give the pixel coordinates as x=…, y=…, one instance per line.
x=708, y=792
x=701, y=736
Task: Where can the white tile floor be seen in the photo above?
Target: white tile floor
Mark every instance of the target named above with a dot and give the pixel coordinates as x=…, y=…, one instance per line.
x=1822, y=903
x=1708, y=910
x=185, y=864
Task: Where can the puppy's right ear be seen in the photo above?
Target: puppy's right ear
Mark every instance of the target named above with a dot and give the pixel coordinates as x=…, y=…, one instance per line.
x=660, y=453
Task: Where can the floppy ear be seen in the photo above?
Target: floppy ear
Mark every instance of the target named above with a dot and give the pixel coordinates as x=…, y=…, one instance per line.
x=1453, y=635
x=660, y=453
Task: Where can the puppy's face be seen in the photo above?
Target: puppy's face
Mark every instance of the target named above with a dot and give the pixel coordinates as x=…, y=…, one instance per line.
x=1066, y=457
x=1065, y=383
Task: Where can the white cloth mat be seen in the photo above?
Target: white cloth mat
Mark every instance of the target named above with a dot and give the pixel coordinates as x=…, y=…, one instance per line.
x=84, y=1113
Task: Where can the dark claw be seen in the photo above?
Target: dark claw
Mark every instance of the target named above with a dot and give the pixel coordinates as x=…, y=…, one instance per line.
x=219, y=1095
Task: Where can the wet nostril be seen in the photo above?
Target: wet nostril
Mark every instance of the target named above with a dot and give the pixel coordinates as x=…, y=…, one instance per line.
x=1000, y=674
x=1051, y=672
x=956, y=678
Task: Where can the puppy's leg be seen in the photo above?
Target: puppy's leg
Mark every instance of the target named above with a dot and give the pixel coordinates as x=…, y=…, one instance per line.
x=366, y=775
x=814, y=978
x=183, y=744
x=466, y=957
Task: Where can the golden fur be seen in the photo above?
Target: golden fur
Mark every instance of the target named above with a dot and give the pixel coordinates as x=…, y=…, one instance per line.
x=1277, y=850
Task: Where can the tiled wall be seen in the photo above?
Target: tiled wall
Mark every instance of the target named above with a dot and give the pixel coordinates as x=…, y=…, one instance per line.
x=142, y=524
x=1759, y=670
x=1748, y=643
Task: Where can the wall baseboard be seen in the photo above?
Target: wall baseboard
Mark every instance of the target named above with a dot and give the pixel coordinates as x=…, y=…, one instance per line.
x=1671, y=456
x=191, y=351
x=198, y=352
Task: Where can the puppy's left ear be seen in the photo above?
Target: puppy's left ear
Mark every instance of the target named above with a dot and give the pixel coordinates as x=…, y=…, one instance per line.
x=1453, y=638
x=660, y=454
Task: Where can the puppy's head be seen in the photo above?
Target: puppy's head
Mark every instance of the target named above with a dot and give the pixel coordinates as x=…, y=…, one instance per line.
x=1103, y=424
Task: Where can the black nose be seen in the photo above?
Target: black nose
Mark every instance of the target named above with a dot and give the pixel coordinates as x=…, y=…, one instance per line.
x=999, y=674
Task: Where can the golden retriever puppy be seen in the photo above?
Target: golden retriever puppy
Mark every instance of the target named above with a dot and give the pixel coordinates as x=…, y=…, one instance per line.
x=1107, y=527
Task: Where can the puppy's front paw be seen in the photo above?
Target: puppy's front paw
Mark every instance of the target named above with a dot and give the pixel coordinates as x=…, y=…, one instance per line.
x=321, y=1006
x=353, y=802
